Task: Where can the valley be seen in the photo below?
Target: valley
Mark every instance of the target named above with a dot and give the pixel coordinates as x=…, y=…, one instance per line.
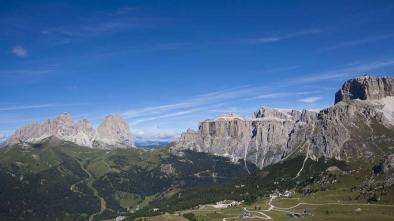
x=335, y=164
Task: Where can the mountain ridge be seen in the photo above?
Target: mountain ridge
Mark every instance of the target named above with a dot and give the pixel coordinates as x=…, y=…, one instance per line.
x=113, y=132
x=272, y=135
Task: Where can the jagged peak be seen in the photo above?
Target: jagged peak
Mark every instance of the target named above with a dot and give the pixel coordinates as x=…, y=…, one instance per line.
x=229, y=116
x=277, y=113
x=114, y=131
x=64, y=117
x=366, y=87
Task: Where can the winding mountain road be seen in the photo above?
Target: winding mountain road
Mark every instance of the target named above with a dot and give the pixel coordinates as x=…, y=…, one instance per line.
x=89, y=182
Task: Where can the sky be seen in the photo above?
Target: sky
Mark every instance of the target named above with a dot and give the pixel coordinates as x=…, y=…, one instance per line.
x=166, y=65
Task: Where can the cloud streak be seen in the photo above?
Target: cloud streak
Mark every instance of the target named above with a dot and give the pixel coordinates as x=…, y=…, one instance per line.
x=344, y=72
x=188, y=106
x=97, y=24
x=356, y=42
x=37, y=106
x=276, y=38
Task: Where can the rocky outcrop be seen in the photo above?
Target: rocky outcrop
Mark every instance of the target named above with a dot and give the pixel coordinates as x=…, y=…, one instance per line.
x=113, y=132
x=366, y=88
x=272, y=135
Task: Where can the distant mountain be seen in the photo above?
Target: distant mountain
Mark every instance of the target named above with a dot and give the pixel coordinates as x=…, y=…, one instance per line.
x=363, y=114
x=113, y=132
x=151, y=143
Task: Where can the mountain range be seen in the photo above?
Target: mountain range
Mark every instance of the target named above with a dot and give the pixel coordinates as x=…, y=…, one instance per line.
x=65, y=170
x=272, y=135
x=113, y=132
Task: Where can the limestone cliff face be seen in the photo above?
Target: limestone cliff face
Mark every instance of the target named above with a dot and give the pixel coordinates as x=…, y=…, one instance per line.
x=113, y=132
x=262, y=139
x=272, y=134
x=366, y=88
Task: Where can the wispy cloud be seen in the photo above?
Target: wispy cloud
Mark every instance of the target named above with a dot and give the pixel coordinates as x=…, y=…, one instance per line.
x=355, y=42
x=310, y=100
x=189, y=107
x=27, y=71
x=345, y=72
x=93, y=29
x=19, y=51
x=198, y=100
x=280, y=37
x=98, y=24
x=25, y=75
x=36, y=106
x=275, y=95
x=281, y=69
x=168, y=115
x=271, y=95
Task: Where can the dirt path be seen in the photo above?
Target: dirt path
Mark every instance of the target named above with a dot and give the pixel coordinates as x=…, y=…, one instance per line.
x=288, y=209
x=89, y=182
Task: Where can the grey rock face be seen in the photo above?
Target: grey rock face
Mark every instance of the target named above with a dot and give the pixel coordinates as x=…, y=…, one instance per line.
x=112, y=132
x=333, y=132
x=366, y=88
x=272, y=134
x=262, y=139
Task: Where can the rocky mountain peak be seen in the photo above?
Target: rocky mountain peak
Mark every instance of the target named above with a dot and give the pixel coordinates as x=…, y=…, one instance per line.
x=64, y=118
x=113, y=132
x=366, y=88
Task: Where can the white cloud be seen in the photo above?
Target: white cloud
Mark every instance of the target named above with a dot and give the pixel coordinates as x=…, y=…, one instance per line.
x=310, y=100
x=271, y=95
x=19, y=51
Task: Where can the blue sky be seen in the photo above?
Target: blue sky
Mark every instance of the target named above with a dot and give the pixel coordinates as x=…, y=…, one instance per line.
x=166, y=65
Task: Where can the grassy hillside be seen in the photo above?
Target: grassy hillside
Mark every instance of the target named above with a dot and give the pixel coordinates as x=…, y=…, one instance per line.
x=327, y=190
x=58, y=180
x=61, y=181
